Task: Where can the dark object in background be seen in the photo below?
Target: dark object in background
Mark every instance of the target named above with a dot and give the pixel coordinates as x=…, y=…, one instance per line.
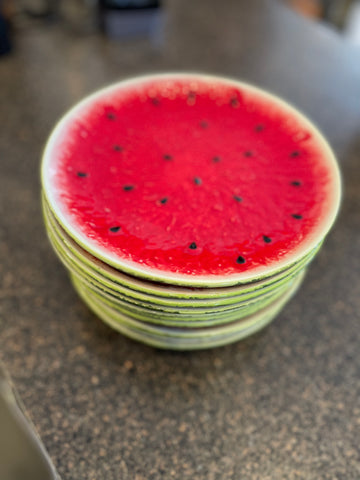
x=337, y=12
x=49, y=10
x=334, y=12
x=5, y=31
x=130, y=18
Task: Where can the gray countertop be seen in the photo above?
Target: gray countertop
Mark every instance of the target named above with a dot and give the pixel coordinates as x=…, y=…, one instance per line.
x=283, y=404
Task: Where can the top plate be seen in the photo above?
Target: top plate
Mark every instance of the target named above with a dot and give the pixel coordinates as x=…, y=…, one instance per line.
x=191, y=180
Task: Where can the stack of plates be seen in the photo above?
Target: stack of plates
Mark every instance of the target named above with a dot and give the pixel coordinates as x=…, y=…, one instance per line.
x=170, y=316
x=167, y=308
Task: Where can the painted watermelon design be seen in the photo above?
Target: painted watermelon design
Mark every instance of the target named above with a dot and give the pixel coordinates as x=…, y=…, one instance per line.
x=191, y=180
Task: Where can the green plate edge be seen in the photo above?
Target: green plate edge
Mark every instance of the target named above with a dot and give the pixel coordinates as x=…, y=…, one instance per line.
x=113, y=296
x=140, y=292
x=174, y=342
x=179, y=318
x=151, y=305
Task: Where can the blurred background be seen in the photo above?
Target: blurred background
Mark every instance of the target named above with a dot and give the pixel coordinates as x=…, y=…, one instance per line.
x=283, y=404
x=344, y=15
x=125, y=19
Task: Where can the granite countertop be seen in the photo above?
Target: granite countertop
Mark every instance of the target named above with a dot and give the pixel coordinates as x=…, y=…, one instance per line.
x=283, y=404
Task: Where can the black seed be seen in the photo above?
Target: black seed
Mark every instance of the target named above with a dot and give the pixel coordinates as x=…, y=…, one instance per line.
x=237, y=198
x=118, y=148
x=216, y=159
x=128, y=188
x=297, y=216
x=191, y=95
x=111, y=116
x=240, y=259
x=294, y=154
x=248, y=153
x=259, y=128
x=296, y=183
x=167, y=157
x=197, y=181
x=234, y=102
x=163, y=200
x=266, y=239
x=155, y=101
x=193, y=246
x=114, y=229
x=82, y=174
x=204, y=124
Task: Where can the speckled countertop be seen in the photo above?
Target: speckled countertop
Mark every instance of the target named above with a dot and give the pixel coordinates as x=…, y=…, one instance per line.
x=283, y=404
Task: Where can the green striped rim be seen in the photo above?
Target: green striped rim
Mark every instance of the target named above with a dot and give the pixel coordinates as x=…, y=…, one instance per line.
x=178, y=342
x=151, y=302
x=179, y=319
x=131, y=287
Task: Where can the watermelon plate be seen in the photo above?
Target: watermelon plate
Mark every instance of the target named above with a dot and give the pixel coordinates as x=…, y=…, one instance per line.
x=187, y=207
x=191, y=180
